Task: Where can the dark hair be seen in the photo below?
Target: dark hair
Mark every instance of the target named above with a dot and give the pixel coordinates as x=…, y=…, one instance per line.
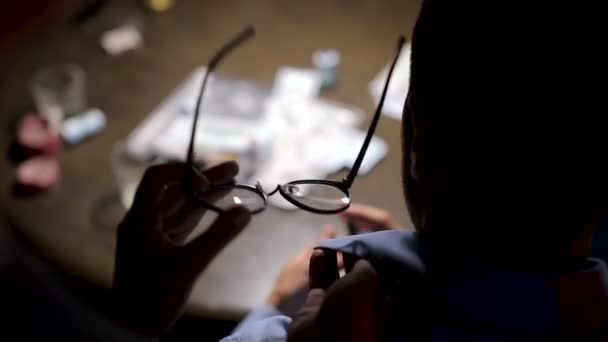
x=504, y=142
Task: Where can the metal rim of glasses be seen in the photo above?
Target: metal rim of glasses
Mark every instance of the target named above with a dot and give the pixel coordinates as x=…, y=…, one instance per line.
x=343, y=186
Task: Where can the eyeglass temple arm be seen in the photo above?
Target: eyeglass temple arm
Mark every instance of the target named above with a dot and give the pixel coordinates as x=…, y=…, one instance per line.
x=372, y=128
x=247, y=33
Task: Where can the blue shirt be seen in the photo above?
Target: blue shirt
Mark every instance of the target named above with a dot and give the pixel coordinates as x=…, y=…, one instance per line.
x=495, y=305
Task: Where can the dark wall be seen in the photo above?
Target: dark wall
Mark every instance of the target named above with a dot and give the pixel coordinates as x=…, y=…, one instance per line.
x=23, y=18
x=16, y=17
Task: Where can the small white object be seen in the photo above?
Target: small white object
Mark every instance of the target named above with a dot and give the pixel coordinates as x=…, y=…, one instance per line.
x=121, y=39
x=77, y=128
x=326, y=58
x=54, y=116
x=296, y=83
x=326, y=62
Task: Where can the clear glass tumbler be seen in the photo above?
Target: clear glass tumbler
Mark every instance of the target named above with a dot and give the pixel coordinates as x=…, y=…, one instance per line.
x=60, y=88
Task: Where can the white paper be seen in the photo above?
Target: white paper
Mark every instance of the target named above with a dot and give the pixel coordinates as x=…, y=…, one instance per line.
x=295, y=82
x=397, y=89
x=297, y=137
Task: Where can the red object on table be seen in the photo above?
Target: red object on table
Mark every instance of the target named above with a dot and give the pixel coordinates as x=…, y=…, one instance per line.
x=37, y=174
x=35, y=136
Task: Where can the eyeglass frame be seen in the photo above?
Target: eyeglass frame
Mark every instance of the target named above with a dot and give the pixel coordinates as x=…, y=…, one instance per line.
x=343, y=185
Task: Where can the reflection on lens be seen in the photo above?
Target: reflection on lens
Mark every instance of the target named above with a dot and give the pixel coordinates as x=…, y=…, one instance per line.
x=322, y=197
x=228, y=197
x=292, y=189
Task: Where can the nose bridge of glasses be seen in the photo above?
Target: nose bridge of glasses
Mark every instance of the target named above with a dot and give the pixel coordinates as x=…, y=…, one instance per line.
x=262, y=192
x=276, y=189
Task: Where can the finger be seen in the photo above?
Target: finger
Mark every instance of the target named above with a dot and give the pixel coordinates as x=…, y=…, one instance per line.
x=160, y=203
x=323, y=269
x=190, y=213
x=145, y=189
x=303, y=327
x=358, y=224
x=146, y=197
x=158, y=176
x=361, y=276
x=178, y=228
x=368, y=218
x=367, y=212
x=340, y=256
x=192, y=209
x=355, y=305
x=158, y=179
x=327, y=232
x=209, y=196
x=168, y=172
x=225, y=228
x=349, y=261
x=222, y=173
x=215, y=193
x=313, y=302
x=198, y=180
x=180, y=214
x=359, y=211
x=180, y=237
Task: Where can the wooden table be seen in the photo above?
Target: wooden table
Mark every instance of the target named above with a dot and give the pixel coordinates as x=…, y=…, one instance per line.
x=73, y=225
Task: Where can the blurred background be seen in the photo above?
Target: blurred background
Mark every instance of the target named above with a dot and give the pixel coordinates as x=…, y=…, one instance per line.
x=92, y=92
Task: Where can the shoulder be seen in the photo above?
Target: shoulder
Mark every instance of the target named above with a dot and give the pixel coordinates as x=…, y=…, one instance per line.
x=392, y=246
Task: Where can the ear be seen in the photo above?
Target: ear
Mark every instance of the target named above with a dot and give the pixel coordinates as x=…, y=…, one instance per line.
x=412, y=163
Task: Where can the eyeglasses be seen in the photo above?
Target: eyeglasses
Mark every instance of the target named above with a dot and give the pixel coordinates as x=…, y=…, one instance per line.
x=314, y=195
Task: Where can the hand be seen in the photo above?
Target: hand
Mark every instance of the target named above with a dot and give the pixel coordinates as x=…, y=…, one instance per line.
x=155, y=270
x=352, y=308
x=365, y=219
x=294, y=275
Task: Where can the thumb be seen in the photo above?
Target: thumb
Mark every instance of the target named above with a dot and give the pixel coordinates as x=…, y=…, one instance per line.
x=225, y=228
x=355, y=306
x=323, y=269
x=304, y=326
x=328, y=232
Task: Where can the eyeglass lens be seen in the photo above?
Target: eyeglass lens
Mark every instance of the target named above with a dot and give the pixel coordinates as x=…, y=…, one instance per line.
x=321, y=197
x=226, y=197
